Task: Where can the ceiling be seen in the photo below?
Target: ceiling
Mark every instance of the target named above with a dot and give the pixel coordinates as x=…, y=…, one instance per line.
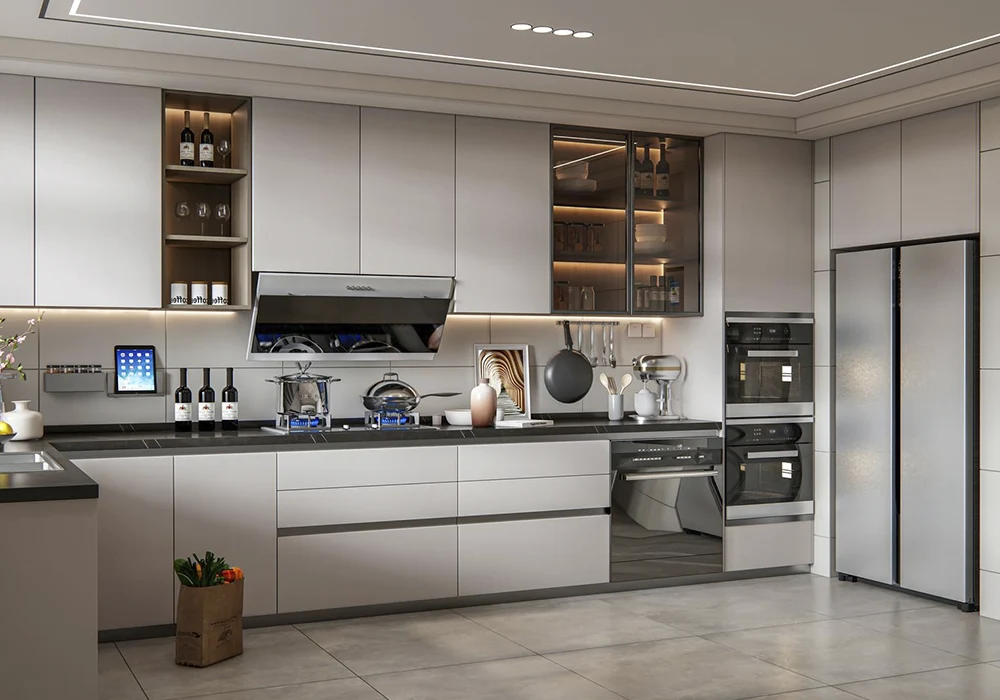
x=786, y=59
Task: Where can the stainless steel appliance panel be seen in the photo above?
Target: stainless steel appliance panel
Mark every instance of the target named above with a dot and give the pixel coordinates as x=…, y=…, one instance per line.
x=937, y=375
x=865, y=415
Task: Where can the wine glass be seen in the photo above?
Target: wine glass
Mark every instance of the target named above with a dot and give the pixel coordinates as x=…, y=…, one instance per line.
x=182, y=211
x=222, y=213
x=224, y=148
x=204, y=212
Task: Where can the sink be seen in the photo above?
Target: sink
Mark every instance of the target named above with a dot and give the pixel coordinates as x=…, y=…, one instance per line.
x=11, y=462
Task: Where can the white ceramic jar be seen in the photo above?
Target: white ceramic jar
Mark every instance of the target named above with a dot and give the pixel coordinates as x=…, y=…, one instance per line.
x=483, y=404
x=645, y=403
x=27, y=424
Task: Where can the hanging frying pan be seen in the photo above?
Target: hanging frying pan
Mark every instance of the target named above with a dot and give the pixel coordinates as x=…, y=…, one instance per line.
x=568, y=374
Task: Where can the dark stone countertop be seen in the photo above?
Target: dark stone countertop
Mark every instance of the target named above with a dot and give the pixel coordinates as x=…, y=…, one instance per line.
x=69, y=483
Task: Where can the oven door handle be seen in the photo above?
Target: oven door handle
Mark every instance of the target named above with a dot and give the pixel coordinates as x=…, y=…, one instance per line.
x=772, y=353
x=780, y=454
x=656, y=476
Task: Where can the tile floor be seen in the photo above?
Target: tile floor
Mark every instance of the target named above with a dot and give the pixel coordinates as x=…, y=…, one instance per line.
x=790, y=638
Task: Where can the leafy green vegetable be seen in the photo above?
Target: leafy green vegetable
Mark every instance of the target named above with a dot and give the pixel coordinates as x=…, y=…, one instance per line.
x=200, y=572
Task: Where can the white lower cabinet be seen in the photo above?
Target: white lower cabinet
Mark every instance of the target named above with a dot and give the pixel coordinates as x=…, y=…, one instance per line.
x=524, y=555
x=769, y=545
x=135, y=526
x=226, y=504
x=369, y=567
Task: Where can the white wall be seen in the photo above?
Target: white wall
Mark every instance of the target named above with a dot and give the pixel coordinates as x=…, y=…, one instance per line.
x=219, y=340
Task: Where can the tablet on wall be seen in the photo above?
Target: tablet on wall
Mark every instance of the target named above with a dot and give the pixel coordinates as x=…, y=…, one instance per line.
x=135, y=369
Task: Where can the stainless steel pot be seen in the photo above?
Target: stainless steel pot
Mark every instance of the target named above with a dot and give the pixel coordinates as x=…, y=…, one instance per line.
x=303, y=393
x=393, y=394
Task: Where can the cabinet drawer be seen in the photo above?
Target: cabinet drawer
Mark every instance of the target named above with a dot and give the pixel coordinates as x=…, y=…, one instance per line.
x=533, y=495
x=769, y=546
x=383, y=466
x=372, y=504
x=531, y=460
x=532, y=554
x=344, y=569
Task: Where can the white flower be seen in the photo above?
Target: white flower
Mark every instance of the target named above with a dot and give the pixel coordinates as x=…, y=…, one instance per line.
x=31, y=321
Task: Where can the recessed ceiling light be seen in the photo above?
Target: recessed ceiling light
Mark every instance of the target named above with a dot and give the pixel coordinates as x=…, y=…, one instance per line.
x=541, y=30
x=583, y=35
x=520, y=27
x=563, y=32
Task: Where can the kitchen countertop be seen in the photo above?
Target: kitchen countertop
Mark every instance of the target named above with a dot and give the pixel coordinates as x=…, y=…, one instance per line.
x=72, y=483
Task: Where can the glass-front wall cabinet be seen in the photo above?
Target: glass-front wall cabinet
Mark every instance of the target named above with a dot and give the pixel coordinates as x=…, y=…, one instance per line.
x=626, y=223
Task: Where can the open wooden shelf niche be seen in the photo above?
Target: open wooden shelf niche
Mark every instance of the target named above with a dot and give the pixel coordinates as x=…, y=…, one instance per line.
x=221, y=251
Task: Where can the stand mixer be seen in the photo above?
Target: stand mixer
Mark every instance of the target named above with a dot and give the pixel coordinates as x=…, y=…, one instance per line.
x=664, y=370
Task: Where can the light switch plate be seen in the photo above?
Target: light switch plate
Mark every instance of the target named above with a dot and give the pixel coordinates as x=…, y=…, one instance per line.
x=635, y=330
x=648, y=330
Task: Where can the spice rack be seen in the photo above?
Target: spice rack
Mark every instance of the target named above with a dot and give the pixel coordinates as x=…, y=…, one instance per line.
x=212, y=249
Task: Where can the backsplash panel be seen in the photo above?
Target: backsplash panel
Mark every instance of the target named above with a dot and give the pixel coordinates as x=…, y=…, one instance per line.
x=219, y=340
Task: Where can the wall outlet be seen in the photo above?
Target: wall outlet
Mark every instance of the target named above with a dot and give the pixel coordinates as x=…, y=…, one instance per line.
x=635, y=330
x=648, y=330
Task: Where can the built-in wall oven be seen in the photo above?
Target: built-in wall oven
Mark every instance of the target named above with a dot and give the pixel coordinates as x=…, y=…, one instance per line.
x=769, y=365
x=666, y=508
x=769, y=469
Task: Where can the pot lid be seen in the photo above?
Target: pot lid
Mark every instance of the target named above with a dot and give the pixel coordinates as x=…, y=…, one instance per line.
x=392, y=386
x=303, y=378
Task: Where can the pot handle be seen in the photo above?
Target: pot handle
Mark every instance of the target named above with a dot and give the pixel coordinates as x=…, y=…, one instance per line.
x=569, y=338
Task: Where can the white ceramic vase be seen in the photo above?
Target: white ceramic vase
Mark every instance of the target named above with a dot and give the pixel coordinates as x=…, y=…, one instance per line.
x=483, y=403
x=27, y=424
x=645, y=403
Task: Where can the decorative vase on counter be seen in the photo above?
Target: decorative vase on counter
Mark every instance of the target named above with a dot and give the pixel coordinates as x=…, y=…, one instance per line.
x=483, y=404
x=26, y=423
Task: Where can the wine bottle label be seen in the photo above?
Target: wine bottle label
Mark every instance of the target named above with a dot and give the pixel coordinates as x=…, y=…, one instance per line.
x=231, y=410
x=206, y=151
x=646, y=181
x=662, y=181
x=182, y=412
x=206, y=411
x=637, y=179
x=187, y=151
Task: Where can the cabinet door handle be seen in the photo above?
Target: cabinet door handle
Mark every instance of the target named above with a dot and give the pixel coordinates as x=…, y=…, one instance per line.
x=773, y=455
x=772, y=353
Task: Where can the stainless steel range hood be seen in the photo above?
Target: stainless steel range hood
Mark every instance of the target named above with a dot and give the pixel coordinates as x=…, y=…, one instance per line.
x=312, y=318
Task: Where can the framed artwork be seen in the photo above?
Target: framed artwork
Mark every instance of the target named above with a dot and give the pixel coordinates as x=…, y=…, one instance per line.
x=507, y=369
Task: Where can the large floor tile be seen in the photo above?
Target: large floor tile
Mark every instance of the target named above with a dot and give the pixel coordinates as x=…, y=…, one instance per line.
x=942, y=628
x=706, y=610
x=271, y=657
x=836, y=652
x=980, y=682
x=114, y=679
x=410, y=642
x=532, y=678
x=681, y=669
x=566, y=625
x=345, y=689
x=814, y=694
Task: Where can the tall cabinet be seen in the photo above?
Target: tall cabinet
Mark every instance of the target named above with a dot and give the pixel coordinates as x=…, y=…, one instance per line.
x=97, y=194
x=17, y=162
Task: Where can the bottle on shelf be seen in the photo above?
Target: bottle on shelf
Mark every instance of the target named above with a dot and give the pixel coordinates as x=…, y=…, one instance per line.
x=230, y=404
x=206, y=150
x=661, y=180
x=646, y=174
x=182, y=405
x=187, y=141
x=674, y=293
x=661, y=293
x=206, y=404
x=640, y=297
x=637, y=174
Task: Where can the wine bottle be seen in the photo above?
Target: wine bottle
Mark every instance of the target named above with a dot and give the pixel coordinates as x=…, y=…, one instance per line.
x=646, y=174
x=637, y=174
x=182, y=405
x=230, y=404
x=187, y=141
x=206, y=150
x=206, y=404
x=662, y=178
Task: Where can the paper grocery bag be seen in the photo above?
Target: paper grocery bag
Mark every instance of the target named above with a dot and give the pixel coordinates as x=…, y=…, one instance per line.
x=209, y=624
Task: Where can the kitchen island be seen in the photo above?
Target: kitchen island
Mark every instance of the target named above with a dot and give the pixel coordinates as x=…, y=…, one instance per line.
x=355, y=521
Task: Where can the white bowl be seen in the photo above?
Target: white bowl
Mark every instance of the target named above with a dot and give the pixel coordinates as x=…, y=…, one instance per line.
x=461, y=417
x=653, y=248
x=651, y=230
x=574, y=171
x=576, y=185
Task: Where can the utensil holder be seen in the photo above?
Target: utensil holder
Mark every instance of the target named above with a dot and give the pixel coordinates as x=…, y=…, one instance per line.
x=616, y=407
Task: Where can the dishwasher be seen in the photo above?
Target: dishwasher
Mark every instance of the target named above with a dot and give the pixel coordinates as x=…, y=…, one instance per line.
x=666, y=508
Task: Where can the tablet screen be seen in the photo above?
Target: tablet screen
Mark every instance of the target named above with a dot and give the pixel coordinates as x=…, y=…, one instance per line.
x=135, y=370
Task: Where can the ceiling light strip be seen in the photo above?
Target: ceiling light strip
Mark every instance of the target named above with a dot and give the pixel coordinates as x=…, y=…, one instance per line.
x=75, y=12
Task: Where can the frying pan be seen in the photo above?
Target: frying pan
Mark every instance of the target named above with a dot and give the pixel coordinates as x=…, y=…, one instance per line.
x=568, y=374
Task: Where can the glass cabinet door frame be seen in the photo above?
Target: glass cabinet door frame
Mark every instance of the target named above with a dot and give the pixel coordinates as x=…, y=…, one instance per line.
x=630, y=208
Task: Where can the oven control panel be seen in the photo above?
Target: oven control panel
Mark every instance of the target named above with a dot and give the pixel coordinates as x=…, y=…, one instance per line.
x=668, y=453
x=768, y=433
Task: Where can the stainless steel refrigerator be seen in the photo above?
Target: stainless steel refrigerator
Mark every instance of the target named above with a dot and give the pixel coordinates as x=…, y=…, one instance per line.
x=906, y=418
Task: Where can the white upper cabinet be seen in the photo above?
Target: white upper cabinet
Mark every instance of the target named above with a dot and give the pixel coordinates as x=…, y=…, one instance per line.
x=502, y=217
x=989, y=115
x=98, y=173
x=941, y=173
x=407, y=193
x=865, y=177
x=769, y=224
x=17, y=163
x=306, y=187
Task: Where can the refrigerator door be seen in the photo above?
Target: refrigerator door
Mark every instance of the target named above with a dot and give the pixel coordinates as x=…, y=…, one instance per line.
x=864, y=379
x=937, y=388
